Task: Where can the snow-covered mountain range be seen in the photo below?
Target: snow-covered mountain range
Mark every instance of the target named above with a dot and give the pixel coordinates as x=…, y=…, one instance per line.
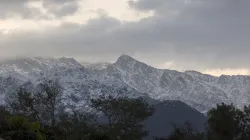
x=128, y=77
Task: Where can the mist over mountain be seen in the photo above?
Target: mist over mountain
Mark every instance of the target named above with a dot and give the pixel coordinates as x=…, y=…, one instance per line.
x=125, y=77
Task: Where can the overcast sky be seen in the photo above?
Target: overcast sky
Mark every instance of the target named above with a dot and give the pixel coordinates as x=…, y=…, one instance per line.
x=211, y=36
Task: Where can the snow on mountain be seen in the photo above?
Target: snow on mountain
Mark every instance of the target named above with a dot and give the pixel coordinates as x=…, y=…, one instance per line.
x=25, y=67
x=126, y=77
x=198, y=90
x=96, y=66
x=76, y=80
x=7, y=85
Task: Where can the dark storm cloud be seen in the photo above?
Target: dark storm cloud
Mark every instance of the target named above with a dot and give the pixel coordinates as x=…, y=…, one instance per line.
x=58, y=8
x=212, y=31
x=67, y=40
x=194, y=34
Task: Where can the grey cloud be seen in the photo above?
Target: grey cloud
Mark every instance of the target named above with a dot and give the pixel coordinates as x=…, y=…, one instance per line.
x=67, y=40
x=157, y=5
x=59, y=1
x=58, y=8
x=201, y=34
x=61, y=8
x=19, y=7
x=146, y=4
x=216, y=29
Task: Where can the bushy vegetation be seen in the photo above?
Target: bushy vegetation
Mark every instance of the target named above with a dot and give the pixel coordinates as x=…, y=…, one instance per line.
x=38, y=114
x=225, y=122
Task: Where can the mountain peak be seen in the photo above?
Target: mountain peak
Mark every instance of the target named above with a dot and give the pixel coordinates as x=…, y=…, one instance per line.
x=69, y=61
x=125, y=57
x=125, y=61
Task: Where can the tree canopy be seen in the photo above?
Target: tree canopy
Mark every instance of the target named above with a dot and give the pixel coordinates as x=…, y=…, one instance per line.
x=37, y=114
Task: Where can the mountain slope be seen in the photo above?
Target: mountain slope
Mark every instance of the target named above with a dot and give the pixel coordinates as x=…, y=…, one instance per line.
x=169, y=113
x=198, y=90
x=134, y=78
x=76, y=80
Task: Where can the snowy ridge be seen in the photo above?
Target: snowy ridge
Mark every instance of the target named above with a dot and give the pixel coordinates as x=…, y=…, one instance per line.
x=126, y=77
x=96, y=66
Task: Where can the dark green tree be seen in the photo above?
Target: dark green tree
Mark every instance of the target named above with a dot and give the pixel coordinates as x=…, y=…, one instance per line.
x=22, y=103
x=43, y=104
x=184, y=133
x=244, y=123
x=224, y=122
x=98, y=136
x=3, y=121
x=124, y=115
x=48, y=99
x=18, y=127
x=38, y=104
x=76, y=126
x=21, y=129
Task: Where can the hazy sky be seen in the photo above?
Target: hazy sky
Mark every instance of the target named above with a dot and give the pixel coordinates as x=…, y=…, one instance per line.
x=211, y=36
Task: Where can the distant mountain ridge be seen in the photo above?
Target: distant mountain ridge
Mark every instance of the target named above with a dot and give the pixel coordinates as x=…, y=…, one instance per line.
x=127, y=77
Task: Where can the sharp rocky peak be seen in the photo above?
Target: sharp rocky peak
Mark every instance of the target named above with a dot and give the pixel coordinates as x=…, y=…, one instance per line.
x=126, y=62
x=69, y=61
x=125, y=59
